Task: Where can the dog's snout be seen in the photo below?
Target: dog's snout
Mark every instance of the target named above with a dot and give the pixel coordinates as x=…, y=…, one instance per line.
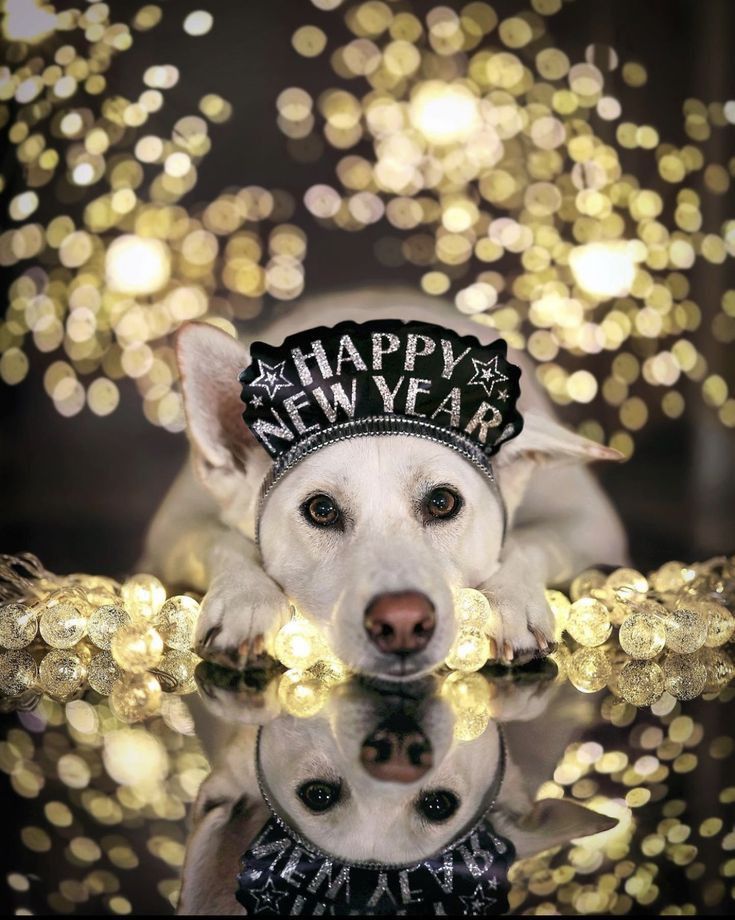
x=397, y=755
x=400, y=623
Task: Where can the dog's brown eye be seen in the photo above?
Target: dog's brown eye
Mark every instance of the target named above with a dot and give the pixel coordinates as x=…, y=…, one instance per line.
x=438, y=805
x=321, y=510
x=443, y=503
x=319, y=795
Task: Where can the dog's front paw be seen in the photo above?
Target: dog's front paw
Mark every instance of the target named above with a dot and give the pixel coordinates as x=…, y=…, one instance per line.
x=235, y=619
x=523, y=625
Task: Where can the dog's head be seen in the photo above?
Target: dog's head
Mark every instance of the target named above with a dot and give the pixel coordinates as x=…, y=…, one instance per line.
x=369, y=536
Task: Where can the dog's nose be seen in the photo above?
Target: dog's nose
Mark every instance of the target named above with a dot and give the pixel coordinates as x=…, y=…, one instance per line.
x=397, y=756
x=400, y=623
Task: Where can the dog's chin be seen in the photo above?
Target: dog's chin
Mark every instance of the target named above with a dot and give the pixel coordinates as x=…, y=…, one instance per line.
x=399, y=671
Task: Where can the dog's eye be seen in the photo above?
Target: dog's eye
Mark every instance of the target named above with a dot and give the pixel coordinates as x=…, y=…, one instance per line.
x=319, y=795
x=443, y=503
x=321, y=510
x=438, y=805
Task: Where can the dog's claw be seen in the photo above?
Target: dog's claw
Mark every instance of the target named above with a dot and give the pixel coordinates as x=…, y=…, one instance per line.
x=211, y=634
x=493, y=650
x=508, y=653
x=540, y=638
x=251, y=651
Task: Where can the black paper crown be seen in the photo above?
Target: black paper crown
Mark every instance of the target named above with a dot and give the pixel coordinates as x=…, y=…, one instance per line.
x=380, y=377
x=282, y=875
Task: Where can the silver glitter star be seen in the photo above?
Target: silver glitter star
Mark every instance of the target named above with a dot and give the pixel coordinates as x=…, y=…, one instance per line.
x=256, y=402
x=476, y=903
x=271, y=379
x=487, y=374
x=267, y=898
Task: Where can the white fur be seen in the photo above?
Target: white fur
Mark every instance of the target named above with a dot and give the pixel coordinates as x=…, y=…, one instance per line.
x=203, y=534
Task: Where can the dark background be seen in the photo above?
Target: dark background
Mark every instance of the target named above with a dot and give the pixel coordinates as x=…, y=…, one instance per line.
x=79, y=492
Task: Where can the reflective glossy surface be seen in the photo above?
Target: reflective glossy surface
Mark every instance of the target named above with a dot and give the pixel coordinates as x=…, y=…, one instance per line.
x=503, y=790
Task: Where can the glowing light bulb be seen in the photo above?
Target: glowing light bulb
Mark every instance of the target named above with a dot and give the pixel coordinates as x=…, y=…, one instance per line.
x=445, y=113
x=604, y=269
x=721, y=624
x=642, y=635
x=137, y=265
x=61, y=673
x=137, y=648
x=589, y=669
x=104, y=623
x=471, y=608
x=299, y=644
x=626, y=583
x=589, y=622
x=18, y=626
x=143, y=594
x=62, y=625
x=685, y=676
x=28, y=21
x=175, y=621
x=18, y=672
x=133, y=756
x=641, y=682
x=102, y=673
x=467, y=691
x=686, y=629
x=300, y=695
x=470, y=651
x=135, y=697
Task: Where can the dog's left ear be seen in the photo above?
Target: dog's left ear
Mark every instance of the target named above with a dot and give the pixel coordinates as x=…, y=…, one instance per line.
x=542, y=443
x=552, y=823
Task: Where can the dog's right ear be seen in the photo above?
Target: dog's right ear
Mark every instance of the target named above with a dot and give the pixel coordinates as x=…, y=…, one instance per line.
x=210, y=362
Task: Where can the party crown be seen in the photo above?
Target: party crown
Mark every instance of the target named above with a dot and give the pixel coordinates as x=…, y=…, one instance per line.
x=381, y=377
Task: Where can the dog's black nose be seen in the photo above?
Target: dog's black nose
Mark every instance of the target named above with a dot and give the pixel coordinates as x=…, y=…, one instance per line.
x=397, y=753
x=400, y=623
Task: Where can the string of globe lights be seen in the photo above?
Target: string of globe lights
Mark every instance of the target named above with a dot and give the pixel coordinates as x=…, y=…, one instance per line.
x=129, y=641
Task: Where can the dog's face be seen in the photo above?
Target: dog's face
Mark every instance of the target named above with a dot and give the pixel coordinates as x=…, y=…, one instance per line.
x=364, y=526
x=377, y=782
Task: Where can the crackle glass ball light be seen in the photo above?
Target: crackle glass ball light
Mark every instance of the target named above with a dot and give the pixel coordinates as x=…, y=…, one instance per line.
x=82, y=631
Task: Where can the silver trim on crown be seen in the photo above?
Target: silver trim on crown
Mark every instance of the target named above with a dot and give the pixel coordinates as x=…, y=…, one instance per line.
x=379, y=425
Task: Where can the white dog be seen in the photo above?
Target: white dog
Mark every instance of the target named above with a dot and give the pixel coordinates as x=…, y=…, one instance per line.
x=388, y=572
x=406, y=787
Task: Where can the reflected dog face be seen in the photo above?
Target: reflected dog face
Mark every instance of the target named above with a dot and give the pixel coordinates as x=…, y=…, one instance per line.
x=376, y=777
x=369, y=538
x=375, y=780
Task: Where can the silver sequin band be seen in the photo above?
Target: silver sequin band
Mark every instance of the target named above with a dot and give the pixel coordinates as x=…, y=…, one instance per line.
x=379, y=425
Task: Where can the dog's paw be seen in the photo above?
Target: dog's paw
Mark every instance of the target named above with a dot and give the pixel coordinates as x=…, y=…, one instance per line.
x=522, y=627
x=235, y=619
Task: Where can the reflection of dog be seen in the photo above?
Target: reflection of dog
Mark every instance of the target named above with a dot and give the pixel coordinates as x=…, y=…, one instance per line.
x=375, y=777
x=388, y=564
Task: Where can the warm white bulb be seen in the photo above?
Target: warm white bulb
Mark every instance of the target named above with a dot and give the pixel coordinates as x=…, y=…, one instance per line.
x=26, y=21
x=137, y=265
x=444, y=113
x=604, y=269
